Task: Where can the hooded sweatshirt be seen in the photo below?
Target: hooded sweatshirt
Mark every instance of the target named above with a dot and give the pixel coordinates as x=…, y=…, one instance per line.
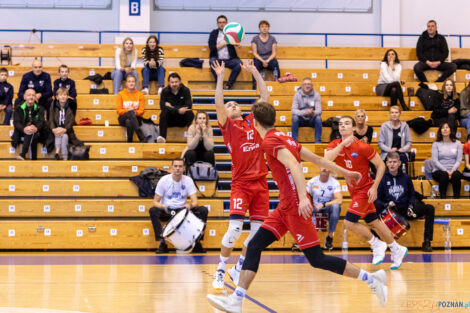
x=126, y=100
x=398, y=188
x=432, y=49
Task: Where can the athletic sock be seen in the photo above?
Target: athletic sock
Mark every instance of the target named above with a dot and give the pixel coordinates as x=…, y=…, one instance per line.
x=374, y=241
x=239, y=264
x=365, y=277
x=222, y=263
x=394, y=245
x=239, y=293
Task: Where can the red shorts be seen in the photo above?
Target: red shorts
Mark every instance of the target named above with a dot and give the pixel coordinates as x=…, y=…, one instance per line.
x=252, y=196
x=303, y=230
x=360, y=204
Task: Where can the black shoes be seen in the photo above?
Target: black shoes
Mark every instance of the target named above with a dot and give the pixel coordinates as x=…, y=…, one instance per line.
x=198, y=248
x=328, y=243
x=426, y=247
x=163, y=248
x=228, y=87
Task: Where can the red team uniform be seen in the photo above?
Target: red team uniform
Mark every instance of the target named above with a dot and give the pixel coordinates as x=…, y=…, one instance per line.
x=356, y=157
x=249, y=170
x=286, y=216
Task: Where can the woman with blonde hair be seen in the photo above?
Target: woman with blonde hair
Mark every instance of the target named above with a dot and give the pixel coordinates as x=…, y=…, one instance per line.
x=125, y=60
x=200, y=141
x=363, y=131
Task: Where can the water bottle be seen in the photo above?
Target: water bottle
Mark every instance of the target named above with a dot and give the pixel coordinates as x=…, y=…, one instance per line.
x=447, y=243
x=344, y=247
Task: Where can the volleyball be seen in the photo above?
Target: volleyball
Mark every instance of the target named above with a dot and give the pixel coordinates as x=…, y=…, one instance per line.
x=233, y=33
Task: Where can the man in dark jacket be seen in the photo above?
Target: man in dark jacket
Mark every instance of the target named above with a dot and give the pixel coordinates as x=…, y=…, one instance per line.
x=175, y=105
x=40, y=82
x=28, y=120
x=6, y=96
x=220, y=51
x=396, y=191
x=432, y=51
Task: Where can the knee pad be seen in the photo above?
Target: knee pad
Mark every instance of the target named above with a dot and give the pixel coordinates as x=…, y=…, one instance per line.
x=233, y=233
x=253, y=229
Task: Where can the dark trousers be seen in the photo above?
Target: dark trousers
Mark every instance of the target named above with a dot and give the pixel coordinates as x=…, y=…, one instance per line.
x=447, y=69
x=8, y=113
x=394, y=91
x=132, y=123
x=451, y=119
x=233, y=64
x=442, y=178
x=174, y=119
x=159, y=215
x=273, y=65
x=30, y=141
x=199, y=154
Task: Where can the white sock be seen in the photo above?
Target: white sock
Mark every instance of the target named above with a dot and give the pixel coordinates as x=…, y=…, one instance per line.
x=394, y=245
x=239, y=264
x=365, y=277
x=373, y=241
x=222, y=263
x=239, y=293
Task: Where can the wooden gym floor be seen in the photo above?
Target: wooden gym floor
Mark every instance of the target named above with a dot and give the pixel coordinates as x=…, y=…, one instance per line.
x=141, y=282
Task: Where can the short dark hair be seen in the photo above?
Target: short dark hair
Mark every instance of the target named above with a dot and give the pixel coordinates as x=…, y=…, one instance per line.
x=63, y=66
x=3, y=70
x=452, y=136
x=221, y=16
x=393, y=155
x=353, y=121
x=264, y=113
x=385, y=59
x=263, y=22
x=432, y=21
x=173, y=75
x=176, y=160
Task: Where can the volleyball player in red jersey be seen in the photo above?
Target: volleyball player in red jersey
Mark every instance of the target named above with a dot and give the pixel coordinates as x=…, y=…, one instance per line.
x=249, y=190
x=293, y=213
x=353, y=154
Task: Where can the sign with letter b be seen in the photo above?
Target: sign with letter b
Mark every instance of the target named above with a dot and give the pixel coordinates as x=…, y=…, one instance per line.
x=134, y=7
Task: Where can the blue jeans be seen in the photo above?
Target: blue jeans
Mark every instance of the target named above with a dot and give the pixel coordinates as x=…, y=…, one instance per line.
x=8, y=112
x=118, y=76
x=333, y=217
x=153, y=74
x=314, y=121
x=233, y=64
x=466, y=123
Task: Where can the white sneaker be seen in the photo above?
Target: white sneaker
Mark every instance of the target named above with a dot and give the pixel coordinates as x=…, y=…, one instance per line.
x=160, y=139
x=234, y=275
x=397, y=257
x=159, y=92
x=145, y=91
x=218, y=282
x=225, y=303
x=378, y=252
x=379, y=286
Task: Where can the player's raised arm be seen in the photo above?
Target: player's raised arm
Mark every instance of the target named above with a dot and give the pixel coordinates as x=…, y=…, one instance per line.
x=219, y=69
x=263, y=90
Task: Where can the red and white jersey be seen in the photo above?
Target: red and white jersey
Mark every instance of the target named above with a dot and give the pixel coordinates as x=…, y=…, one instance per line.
x=244, y=144
x=272, y=143
x=356, y=158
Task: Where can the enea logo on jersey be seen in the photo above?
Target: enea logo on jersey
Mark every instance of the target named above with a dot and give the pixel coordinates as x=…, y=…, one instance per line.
x=354, y=154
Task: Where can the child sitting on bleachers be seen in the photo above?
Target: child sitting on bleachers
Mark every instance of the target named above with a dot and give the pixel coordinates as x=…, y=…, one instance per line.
x=130, y=108
x=6, y=96
x=61, y=121
x=65, y=82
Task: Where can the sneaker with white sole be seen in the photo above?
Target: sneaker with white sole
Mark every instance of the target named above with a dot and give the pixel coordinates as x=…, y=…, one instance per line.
x=159, y=92
x=225, y=303
x=379, y=286
x=234, y=275
x=160, y=139
x=218, y=282
x=378, y=252
x=398, y=255
x=145, y=91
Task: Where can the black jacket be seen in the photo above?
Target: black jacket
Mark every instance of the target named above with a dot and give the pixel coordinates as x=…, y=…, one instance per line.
x=398, y=189
x=181, y=99
x=213, y=46
x=21, y=117
x=432, y=49
x=55, y=113
x=69, y=84
x=6, y=93
x=41, y=84
x=441, y=110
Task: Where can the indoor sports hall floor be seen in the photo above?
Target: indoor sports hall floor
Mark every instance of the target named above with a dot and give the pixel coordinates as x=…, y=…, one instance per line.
x=65, y=282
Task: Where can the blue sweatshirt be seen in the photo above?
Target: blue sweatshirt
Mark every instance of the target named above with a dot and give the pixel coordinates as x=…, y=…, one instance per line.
x=69, y=84
x=398, y=189
x=6, y=93
x=41, y=84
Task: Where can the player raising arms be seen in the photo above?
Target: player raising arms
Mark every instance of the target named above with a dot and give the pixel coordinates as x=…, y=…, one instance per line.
x=249, y=186
x=353, y=154
x=293, y=213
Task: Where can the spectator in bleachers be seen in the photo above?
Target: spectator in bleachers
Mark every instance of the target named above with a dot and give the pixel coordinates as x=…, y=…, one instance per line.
x=125, y=61
x=264, y=47
x=395, y=135
x=175, y=106
x=446, y=160
x=6, y=96
x=152, y=56
x=389, y=84
x=220, y=51
x=61, y=121
x=363, y=131
x=466, y=155
x=465, y=109
x=432, y=52
x=130, y=108
x=200, y=141
x=28, y=120
x=327, y=198
x=170, y=197
x=65, y=82
x=40, y=82
x=306, y=110
x=396, y=191
x=448, y=109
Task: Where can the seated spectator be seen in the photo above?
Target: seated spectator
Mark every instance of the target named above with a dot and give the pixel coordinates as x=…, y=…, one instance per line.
x=6, y=96
x=396, y=191
x=170, y=197
x=395, y=135
x=61, y=121
x=264, y=47
x=220, y=51
x=28, y=120
x=152, y=56
x=65, y=82
x=389, y=84
x=175, y=106
x=40, y=82
x=200, y=141
x=448, y=109
x=363, y=131
x=466, y=155
x=432, y=52
x=446, y=158
x=327, y=198
x=465, y=108
x=306, y=110
x=125, y=61
x=130, y=108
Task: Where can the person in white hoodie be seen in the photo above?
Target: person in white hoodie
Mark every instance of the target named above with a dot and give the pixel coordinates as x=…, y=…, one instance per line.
x=389, y=84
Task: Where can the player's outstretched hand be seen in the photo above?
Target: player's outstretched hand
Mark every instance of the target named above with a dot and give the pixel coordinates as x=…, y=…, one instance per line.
x=219, y=68
x=305, y=208
x=352, y=178
x=249, y=66
x=372, y=193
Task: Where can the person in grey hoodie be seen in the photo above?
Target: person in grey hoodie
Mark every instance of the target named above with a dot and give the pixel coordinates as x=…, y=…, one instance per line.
x=306, y=110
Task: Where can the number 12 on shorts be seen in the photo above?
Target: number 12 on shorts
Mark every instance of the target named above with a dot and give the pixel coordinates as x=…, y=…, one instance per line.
x=237, y=203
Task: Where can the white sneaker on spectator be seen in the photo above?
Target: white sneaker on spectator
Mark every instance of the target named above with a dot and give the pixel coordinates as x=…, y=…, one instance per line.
x=145, y=91
x=234, y=275
x=225, y=303
x=159, y=92
x=378, y=252
x=160, y=139
x=218, y=282
x=398, y=255
x=379, y=286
